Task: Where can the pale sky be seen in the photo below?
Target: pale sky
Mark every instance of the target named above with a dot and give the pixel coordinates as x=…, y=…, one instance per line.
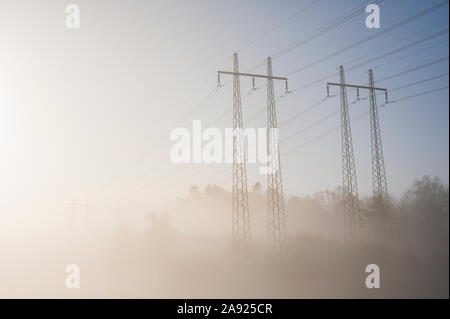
x=81, y=110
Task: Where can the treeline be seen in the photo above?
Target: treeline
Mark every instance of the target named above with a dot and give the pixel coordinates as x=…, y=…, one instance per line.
x=420, y=216
x=186, y=250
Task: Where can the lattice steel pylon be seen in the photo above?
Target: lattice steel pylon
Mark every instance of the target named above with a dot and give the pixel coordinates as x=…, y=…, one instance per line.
x=379, y=183
x=349, y=184
x=275, y=199
x=240, y=217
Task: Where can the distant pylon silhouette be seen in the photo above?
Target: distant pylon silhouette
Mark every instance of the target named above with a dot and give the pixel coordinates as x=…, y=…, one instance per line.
x=349, y=183
x=241, y=218
x=352, y=218
x=379, y=184
x=275, y=199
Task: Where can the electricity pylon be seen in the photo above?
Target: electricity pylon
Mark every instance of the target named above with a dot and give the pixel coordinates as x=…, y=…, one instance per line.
x=276, y=226
x=379, y=183
x=349, y=183
x=352, y=218
x=240, y=217
x=76, y=204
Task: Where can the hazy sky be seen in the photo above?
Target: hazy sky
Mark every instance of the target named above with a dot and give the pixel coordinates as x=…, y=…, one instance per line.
x=80, y=110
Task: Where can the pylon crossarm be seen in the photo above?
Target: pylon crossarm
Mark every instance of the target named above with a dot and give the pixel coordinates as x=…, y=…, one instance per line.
x=252, y=75
x=356, y=86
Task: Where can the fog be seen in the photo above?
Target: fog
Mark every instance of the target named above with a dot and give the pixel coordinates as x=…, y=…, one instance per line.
x=185, y=251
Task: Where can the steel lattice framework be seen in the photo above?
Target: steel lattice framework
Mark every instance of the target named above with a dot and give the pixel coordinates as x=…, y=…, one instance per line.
x=349, y=183
x=240, y=217
x=352, y=218
x=379, y=184
x=275, y=198
x=275, y=201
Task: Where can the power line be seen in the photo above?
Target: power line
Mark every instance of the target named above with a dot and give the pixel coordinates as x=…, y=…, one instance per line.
x=363, y=115
x=298, y=12
x=323, y=135
x=413, y=35
x=336, y=112
x=391, y=28
x=163, y=137
x=309, y=108
x=210, y=93
x=419, y=82
x=329, y=76
x=417, y=95
x=362, y=99
x=312, y=106
x=398, y=88
x=414, y=69
x=437, y=34
x=334, y=129
x=151, y=149
x=334, y=24
x=411, y=54
x=309, y=126
x=355, y=67
x=318, y=32
x=409, y=85
x=374, y=59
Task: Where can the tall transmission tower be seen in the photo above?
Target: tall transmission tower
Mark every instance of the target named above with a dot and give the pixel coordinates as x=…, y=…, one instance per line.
x=352, y=218
x=240, y=217
x=349, y=183
x=276, y=226
x=379, y=183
